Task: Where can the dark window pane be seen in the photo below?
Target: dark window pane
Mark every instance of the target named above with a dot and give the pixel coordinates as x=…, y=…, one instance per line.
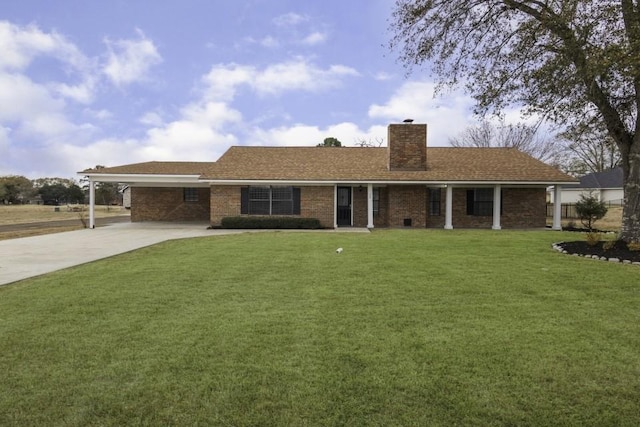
x=258, y=207
x=281, y=193
x=190, y=194
x=281, y=207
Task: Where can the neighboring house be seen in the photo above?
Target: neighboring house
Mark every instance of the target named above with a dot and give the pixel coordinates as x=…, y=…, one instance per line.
x=404, y=184
x=605, y=186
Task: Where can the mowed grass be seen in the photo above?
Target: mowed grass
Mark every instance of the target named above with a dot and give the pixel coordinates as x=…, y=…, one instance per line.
x=405, y=327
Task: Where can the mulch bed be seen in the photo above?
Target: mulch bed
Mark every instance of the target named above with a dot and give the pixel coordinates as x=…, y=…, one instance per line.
x=619, y=250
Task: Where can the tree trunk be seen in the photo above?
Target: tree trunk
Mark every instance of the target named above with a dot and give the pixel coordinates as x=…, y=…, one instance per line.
x=630, y=231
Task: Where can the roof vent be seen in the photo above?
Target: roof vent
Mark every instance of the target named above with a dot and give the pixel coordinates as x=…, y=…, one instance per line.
x=407, y=121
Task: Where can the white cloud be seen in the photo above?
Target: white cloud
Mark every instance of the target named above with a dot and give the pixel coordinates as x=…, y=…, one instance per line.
x=222, y=80
x=290, y=19
x=299, y=75
x=151, y=119
x=267, y=41
x=129, y=61
x=295, y=75
x=20, y=45
x=445, y=116
x=314, y=38
x=308, y=136
x=382, y=76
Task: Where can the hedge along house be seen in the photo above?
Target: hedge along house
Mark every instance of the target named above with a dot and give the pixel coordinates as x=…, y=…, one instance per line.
x=404, y=184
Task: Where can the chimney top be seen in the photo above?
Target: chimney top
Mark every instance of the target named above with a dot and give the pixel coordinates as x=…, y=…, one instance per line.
x=407, y=121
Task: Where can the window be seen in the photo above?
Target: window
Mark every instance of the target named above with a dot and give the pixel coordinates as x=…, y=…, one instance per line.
x=190, y=194
x=270, y=201
x=376, y=201
x=435, y=197
x=480, y=202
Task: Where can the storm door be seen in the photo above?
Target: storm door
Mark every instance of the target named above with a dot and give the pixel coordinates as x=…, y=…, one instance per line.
x=344, y=206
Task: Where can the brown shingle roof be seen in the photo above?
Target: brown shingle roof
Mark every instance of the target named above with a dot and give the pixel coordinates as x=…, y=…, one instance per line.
x=155, y=168
x=370, y=164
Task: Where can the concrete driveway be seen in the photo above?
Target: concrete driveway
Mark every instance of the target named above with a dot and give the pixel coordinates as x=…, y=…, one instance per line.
x=32, y=256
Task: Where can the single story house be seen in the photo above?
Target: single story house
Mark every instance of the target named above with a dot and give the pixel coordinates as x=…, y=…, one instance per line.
x=606, y=186
x=405, y=184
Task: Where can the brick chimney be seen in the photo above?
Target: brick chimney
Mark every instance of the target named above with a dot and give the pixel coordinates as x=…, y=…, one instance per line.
x=407, y=146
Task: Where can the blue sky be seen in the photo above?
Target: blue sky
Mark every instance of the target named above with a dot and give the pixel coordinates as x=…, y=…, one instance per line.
x=90, y=82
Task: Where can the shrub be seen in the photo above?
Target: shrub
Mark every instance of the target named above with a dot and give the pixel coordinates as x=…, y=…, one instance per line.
x=634, y=246
x=252, y=222
x=590, y=210
x=609, y=244
x=593, y=238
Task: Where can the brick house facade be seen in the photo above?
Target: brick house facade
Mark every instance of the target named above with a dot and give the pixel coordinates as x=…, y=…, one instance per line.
x=405, y=184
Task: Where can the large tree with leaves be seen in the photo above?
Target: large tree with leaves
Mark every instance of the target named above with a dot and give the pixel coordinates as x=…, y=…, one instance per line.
x=575, y=62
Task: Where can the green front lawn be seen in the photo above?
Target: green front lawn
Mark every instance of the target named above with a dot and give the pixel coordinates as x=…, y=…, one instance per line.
x=405, y=327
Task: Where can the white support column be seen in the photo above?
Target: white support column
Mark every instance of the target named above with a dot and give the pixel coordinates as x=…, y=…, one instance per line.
x=369, y=206
x=92, y=203
x=557, y=207
x=335, y=206
x=448, y=212
x=497, y=200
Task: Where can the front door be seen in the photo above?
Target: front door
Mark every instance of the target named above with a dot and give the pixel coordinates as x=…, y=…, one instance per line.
x=344, y=206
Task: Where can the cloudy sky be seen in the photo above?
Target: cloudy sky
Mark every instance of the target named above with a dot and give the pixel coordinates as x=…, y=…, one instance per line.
x=113, y=82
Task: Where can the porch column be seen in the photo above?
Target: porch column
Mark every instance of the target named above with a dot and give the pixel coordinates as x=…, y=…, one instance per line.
x=557, y=207
x=335, y=206
x=496, y=207
x=369, y=205
x=92, y=203
x=448, y=211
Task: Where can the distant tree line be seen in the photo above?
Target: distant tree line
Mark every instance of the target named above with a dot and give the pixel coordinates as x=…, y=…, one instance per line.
x=15, y=189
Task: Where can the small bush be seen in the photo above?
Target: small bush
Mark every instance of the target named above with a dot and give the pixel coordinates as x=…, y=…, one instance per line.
x=251, y=222
x=593, y=238
x=590, y=210
x=608, y=245
x=634, y=246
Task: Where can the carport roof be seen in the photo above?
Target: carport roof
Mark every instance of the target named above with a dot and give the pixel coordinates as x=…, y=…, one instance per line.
x=153, y=168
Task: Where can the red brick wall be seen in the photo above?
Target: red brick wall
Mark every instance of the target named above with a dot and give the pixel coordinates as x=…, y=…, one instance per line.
x=315, y=202
x=521, y=208
x=225, y=201
x=407, y=146
x=359, y=206
x=407, y=201
x=167, y=204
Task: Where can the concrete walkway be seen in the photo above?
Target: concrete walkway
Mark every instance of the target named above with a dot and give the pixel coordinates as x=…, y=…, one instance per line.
x=33, y=256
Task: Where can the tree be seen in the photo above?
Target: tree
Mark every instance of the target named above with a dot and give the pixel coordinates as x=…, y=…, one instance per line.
x=75, y=194
x=363, y=142
x=590, y=209
x=57, y=193
x=107, y=193
x=521, y=136
x=588, y=150
x=15, y=189
x=572, y=62
x=330, y=142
